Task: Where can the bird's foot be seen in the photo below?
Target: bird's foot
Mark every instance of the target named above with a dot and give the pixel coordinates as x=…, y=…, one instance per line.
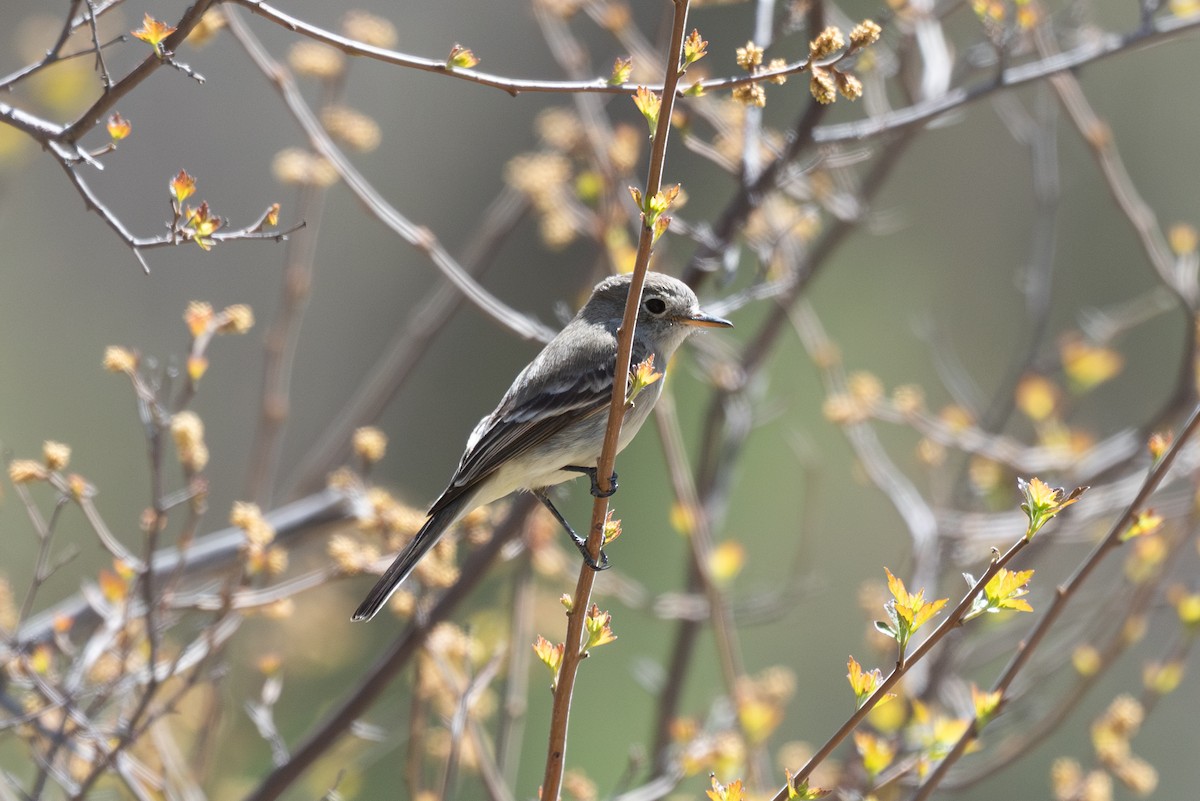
x=590, y=472
x=580, y=542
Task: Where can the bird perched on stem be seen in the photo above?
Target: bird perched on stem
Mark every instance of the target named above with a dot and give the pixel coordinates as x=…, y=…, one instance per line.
x=549, y=426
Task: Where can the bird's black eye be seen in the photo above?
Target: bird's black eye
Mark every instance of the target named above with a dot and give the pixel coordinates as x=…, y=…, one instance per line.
x=655, y=306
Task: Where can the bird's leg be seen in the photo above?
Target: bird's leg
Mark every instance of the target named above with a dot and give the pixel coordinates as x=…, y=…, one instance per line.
x=590, y=472
x=580, y=542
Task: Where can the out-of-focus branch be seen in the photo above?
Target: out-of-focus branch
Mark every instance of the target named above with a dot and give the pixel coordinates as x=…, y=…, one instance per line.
x=388, y=376
x=700, y=540
x=418, y=236
x=72, y=21
x=325, y=734
x=916, y=513
x=1177, y=273
x=283, y=337
x=511, y=715
x=1037, y=130
x=279, y=350
x=1098, y=137
x=1090, y=50
x=210, y=552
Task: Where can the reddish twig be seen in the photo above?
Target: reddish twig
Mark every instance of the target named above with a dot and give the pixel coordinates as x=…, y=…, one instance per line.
x=574, y=653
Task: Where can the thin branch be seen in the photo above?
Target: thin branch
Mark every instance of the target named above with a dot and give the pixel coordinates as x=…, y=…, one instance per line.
x=700, y=539
x=44, y=531
x=494, y=782
x=573, y=653
x=173, y=238
x=1098, y=137
x=13, y=78
x=105, y=77
x=462, y=716
x=904, y=496
x=211, y=552
x=1063, y=595
x=952, y=622
x=282, y=341
x=512, y=86
x=1091, y=50
x=511, y=715
x=418, y=236
x=109, y=99
x=52, y=55
x=1128, y=608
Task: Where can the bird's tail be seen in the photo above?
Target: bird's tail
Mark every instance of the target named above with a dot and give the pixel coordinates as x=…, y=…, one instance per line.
x=398, y=571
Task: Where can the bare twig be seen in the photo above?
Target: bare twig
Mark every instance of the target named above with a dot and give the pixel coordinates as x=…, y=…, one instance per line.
x=109, y=99
x=512, y=86
x=105, y=77
x=511, y=715
x=418, y=236
x=573, y=653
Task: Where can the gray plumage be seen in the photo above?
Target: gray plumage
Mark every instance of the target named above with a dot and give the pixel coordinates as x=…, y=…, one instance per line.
x=555, y=413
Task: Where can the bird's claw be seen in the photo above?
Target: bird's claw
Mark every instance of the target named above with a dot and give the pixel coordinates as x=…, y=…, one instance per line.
x=579, y=541
x=597, y=492
x=589, y=560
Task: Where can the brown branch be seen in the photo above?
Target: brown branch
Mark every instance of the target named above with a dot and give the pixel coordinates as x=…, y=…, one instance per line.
x=1063, y=595
x=951, y=623
x=512, y=86
x=1030, y=736
x=574, y=652
x=105, y=103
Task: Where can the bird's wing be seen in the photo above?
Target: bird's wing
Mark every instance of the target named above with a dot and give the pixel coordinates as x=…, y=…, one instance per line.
x=526, y=418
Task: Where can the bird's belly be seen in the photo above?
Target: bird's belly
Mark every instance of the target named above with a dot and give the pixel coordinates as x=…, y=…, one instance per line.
x=576, y=446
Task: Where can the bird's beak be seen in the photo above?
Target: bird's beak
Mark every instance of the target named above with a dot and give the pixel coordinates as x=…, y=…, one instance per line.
x=702, y=320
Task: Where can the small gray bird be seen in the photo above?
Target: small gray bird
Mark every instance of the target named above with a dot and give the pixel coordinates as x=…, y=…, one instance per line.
x=549, y=426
